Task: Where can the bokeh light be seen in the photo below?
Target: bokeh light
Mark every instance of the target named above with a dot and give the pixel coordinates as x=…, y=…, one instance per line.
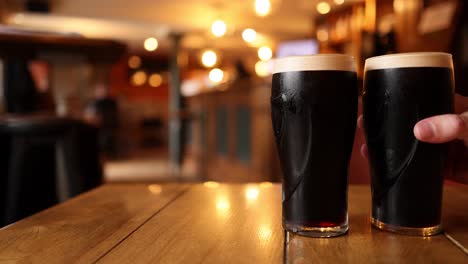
x=249, y=35
x=155, y=80
x=139, y=78
x=209, y=58
x=339, y=2
x=216, y=75
x=322, y=35
x=261, y=68
x=323, y=8
x=134, y=62
x=262, y=7
x=265, y=53
x=218, y=28
x=151, y=44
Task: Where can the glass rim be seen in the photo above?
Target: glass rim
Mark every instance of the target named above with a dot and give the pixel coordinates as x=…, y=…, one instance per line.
x=315, y=62
x=409, y=60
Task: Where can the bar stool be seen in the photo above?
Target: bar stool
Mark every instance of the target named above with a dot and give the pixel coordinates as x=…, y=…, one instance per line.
x=45, y=160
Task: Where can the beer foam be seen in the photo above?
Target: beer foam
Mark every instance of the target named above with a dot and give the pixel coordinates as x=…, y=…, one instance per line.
x=410, y=60
x=319, y=62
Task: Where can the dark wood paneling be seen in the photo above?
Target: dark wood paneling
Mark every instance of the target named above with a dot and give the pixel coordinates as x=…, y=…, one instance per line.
x=29, y=44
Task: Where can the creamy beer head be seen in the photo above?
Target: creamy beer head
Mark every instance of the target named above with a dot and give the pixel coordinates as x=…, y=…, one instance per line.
x=314, y=102
x=410, y=60
x=406, y=174
x=319, y=62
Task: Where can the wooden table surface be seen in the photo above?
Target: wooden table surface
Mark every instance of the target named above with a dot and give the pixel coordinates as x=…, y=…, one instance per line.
x=216, y=223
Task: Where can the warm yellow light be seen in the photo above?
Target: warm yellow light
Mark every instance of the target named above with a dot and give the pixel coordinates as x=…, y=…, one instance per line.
x=323, y=8
x=218, y=28
x=216, y=75
x=398, y=5
x=139, y=78
x=209, y=58
x=266, y=184
x=155, y=188
x=151, y=44
x=134, y=62
x=249, y=35
x=251, y=193
x=322, y=35
x=339, y=2
x=261, y=68
x=18, y=18
x=262, y=7
x=155, y=80
x=265, y=53
x=223, y=205
x=264, y=233
x=211, y=184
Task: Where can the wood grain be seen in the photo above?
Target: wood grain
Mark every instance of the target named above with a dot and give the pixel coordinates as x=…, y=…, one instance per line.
x=211, y=226
x=227, y=223
x=365, y=244
x=455, y=217
x=85, y=228
x=233, y=224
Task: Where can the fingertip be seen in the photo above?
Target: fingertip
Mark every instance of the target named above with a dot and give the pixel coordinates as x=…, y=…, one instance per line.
x=417, y=131
x=424, y=130
x=440, y=129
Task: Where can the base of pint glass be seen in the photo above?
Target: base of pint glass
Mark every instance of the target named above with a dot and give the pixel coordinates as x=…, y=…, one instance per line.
x=411, y=231
x=316, y=231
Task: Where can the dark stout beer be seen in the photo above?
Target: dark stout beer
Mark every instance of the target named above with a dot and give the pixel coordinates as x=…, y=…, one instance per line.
x=407, y=175
x=314, y=105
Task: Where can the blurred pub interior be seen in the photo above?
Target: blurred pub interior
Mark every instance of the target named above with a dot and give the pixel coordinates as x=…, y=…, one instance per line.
x=157, y=91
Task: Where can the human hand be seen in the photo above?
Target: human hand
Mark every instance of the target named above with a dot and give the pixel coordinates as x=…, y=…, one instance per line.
x=360, y=125
x=435, y=129
x=442, y=128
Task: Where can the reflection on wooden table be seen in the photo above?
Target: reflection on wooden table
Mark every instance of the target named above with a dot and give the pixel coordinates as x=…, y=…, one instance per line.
x=215, y=223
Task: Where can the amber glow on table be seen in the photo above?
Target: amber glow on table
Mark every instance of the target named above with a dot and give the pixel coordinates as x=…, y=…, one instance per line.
x=155, y=188
x=251, y=193
x=128, y=223
x=211, y=184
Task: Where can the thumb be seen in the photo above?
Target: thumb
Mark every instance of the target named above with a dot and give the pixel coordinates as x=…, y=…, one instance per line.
x=442, y=128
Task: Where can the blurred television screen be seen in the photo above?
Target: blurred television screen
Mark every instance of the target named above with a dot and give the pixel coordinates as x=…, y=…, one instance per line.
x=297, y=48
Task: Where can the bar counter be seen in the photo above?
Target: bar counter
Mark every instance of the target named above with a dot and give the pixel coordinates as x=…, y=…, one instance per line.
x=216, y=223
